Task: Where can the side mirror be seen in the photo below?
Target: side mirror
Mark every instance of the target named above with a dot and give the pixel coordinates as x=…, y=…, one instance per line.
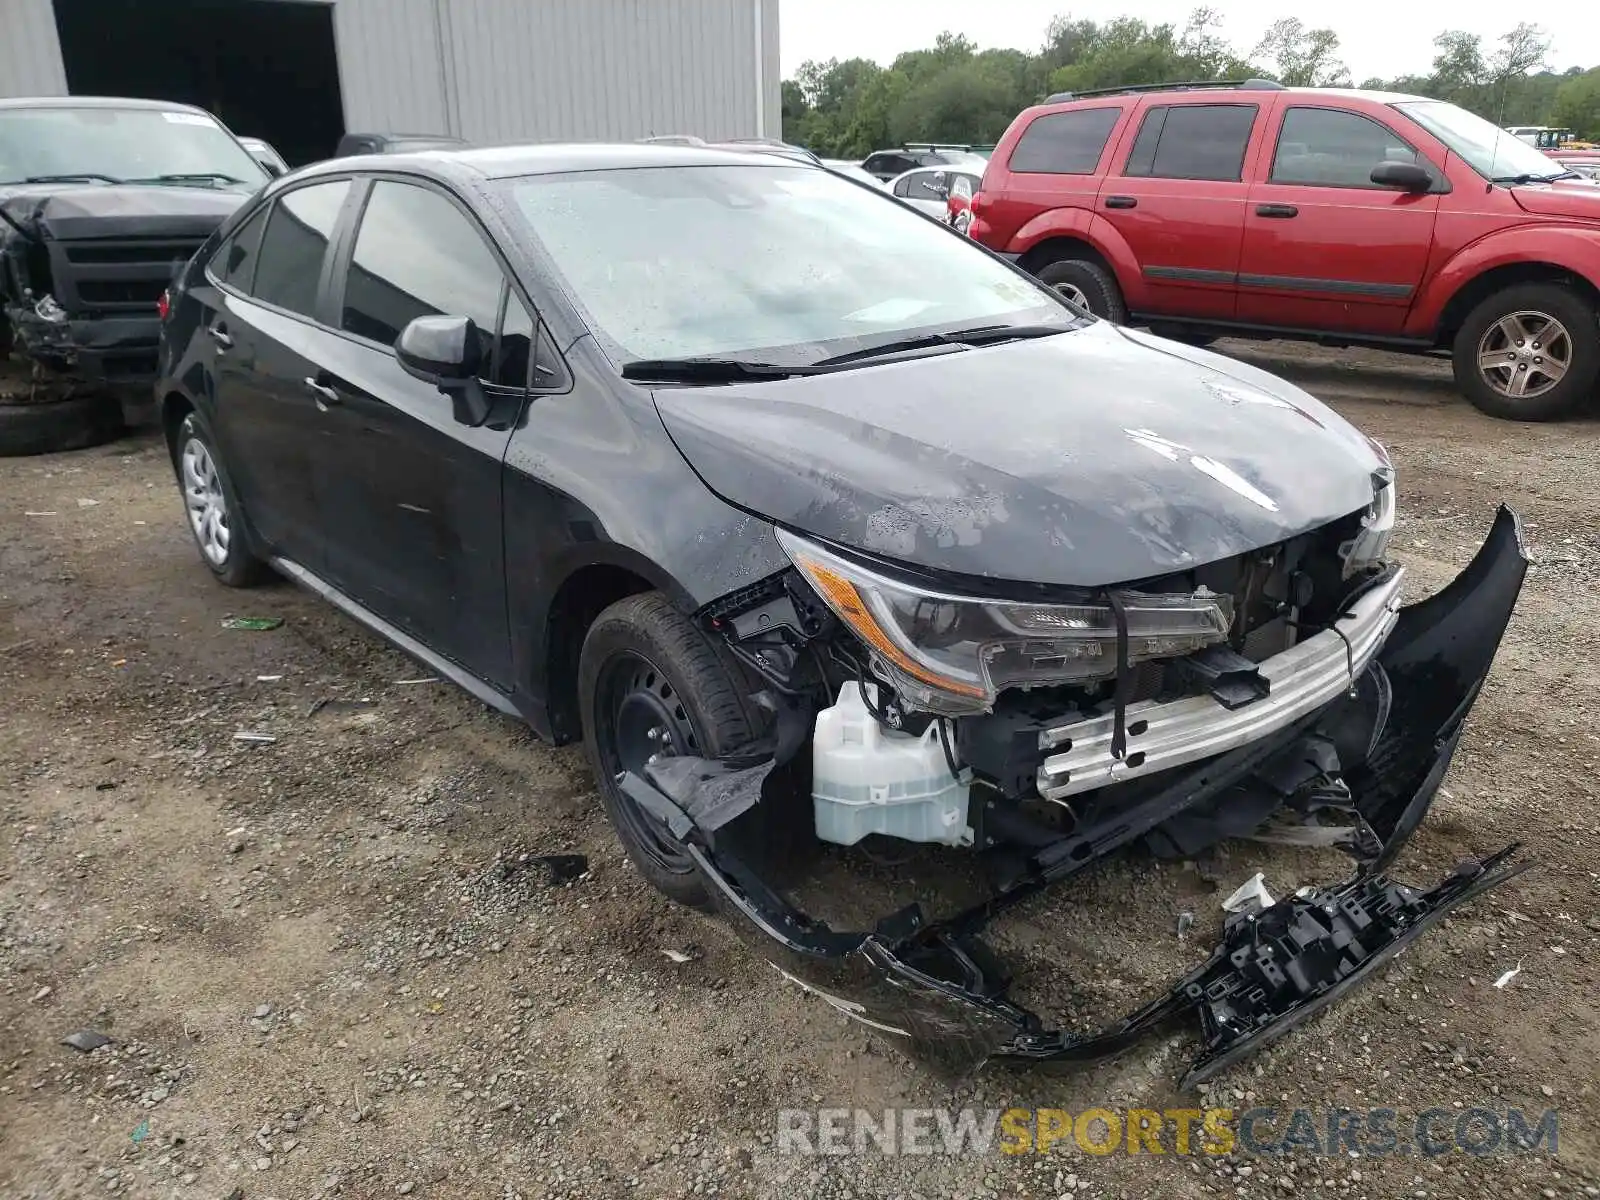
x=447, y=352
x=1402, y=176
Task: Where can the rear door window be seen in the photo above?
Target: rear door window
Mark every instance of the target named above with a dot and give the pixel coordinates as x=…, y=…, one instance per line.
x=234, y=263
x=1325, y=147
x=1065, y=143
x=1192, y=141
x=289, y=271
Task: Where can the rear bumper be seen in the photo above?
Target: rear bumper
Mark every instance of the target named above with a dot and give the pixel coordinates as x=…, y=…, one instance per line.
x=939, y=987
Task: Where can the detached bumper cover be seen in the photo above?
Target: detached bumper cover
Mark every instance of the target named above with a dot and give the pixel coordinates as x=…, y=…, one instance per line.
x=938, y=986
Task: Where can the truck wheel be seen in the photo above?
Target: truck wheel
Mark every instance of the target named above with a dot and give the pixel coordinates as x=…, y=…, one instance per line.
x=651, y=682
x=213, y=513
x=1529, y=353
x=1088, y=285
x=48, y=426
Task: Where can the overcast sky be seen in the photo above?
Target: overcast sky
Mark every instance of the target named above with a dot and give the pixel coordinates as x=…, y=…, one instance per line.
x=1377, y=37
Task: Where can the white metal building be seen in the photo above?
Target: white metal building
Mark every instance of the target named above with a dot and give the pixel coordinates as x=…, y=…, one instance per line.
x=486, y=70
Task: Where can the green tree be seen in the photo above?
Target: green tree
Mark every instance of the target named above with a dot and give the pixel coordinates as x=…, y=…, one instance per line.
x=1303, y=57
x=1577, y=104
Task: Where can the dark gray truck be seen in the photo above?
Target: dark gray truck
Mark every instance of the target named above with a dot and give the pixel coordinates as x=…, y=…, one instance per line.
x=101, y=201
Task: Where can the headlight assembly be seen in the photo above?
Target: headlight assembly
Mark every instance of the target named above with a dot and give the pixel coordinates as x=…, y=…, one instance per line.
x=1370, y=547
x=953, y=654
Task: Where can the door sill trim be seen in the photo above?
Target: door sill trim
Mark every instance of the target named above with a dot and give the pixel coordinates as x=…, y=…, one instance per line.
x=456, y=674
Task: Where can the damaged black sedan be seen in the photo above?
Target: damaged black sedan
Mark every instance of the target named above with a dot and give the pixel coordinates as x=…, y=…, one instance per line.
x=818, y=523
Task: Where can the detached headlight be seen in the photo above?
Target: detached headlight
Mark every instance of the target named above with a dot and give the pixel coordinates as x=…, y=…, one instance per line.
x=954, y=654
x=1370, y=547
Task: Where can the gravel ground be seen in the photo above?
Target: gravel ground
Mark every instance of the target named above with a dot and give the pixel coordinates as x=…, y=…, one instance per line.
x=333, y=964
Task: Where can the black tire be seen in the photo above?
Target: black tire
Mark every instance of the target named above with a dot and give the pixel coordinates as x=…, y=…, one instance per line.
x=1528, y=304
x=236, y=566
x=1094, y=283
x=49, y=426
x=702, y=700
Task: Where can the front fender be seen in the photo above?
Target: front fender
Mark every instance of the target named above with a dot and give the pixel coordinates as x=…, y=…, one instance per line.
x=1082, y=225
x=1574, y=248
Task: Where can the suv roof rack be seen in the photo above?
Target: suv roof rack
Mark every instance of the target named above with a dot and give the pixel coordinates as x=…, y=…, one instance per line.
x=1246, y=85
x=936, y=146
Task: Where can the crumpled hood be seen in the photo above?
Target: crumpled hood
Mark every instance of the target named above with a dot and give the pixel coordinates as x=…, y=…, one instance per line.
x=66, y=212
x=1566, y=198
x=1094, y=457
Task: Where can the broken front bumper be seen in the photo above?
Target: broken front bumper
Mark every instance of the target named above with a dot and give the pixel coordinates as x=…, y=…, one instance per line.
x=938, y=986
x=1308, y=676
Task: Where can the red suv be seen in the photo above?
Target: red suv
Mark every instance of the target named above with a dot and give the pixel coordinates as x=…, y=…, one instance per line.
x=1343, y=217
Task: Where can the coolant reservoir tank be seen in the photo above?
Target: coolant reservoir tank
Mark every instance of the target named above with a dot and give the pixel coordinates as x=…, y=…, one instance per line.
x=869, y=779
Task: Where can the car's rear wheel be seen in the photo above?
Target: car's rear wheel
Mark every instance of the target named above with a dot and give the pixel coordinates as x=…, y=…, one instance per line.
x=651, y=683
x=211, y=509
x=1529, y=353
x=1087, y=285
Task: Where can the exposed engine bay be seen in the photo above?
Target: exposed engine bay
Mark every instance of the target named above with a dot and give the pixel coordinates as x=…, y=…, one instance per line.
x=1285, y=690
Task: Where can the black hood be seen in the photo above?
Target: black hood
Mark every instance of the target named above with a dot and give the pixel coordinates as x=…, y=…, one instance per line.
x=1094, y=457
x=67, y=212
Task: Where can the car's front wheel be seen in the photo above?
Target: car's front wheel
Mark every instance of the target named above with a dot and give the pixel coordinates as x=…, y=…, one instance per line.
x=652, y=684
x=1529, y=353
x=213, y=513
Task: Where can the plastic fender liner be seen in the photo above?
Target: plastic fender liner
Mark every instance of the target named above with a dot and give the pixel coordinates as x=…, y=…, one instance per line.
x=937, y=986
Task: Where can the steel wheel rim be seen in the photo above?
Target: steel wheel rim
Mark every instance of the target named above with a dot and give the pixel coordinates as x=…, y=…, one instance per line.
x=1073, y=293
x=1524, y=354
x=640, y=718
x=207, y=507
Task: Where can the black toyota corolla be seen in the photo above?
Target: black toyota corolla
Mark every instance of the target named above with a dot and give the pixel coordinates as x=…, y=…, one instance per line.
x=819, y=523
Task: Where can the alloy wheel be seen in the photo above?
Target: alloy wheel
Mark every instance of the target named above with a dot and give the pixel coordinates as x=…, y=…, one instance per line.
x=208, y=507
x=1075, y=294
x=1524, y=354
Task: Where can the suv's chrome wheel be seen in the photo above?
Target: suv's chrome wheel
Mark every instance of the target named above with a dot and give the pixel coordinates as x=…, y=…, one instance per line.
x=1074, y=294
x=1524, y=354
x=208, y=507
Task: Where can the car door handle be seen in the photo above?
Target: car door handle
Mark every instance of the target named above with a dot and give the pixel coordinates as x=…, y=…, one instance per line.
x=1282, y=211
x=1122, y=202
x=221, y=337
x=325, y=395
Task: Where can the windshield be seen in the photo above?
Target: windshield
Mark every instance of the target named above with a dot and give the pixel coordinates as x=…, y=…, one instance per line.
x=777, y=264
x=1492, y=152
x=120, y=145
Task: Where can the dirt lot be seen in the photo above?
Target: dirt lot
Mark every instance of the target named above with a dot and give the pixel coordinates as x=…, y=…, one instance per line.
x=327, y=966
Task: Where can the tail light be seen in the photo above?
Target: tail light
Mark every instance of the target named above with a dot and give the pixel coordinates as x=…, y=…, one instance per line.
x=164, y=303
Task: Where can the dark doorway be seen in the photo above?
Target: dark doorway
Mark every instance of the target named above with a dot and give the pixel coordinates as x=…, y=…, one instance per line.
x=267, y=68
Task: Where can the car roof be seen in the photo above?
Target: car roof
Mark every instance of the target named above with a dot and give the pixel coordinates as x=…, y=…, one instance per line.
x=98, y=102
x=509, y=162
x=1221, y=95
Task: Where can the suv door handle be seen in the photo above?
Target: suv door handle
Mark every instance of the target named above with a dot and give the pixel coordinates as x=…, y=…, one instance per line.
x=1281, y=211
x=325, y=395
x=220, y=336
x=1122, y=202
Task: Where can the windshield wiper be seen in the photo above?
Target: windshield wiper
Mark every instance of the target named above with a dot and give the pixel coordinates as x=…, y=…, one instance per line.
x=978, y=335
x=707, y=370
x=73, y=177
x=190, y=177
x=1524, y=179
